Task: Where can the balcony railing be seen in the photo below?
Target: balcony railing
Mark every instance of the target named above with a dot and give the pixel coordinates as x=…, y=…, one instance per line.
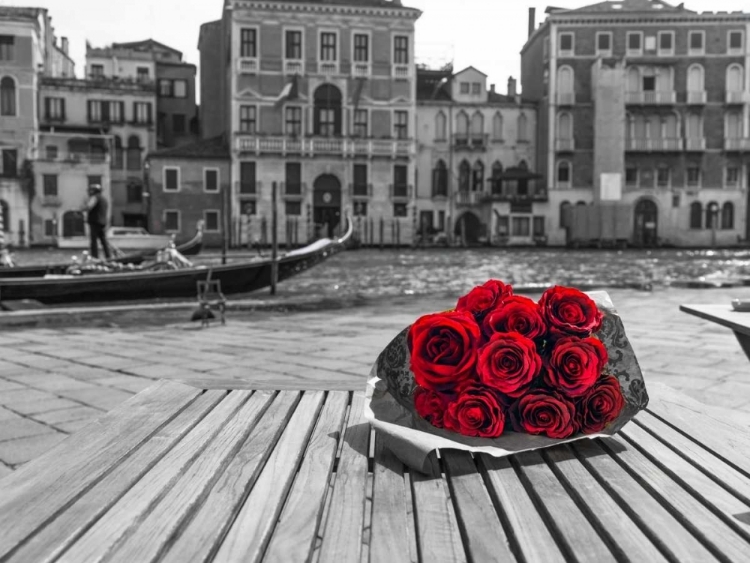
x=360, y=69
x=470, y=141
x=565, y=145
x=328, y=68
x=566, y=98
x=737, y=97
x=401, y=71
x=248, y=190
x=400, y=192
x=469, y=198
x=653, y=145
x=293, y=190
x=537, y=194
x=696, y=98
x=293, y=66
x=247, y=65
x=695, y=143
x=360, y=191
x=76, y=157
x=325, y=145
x=650, y=97
x=737, y=144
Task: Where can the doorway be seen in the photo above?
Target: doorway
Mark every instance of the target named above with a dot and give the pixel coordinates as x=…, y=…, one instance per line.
x=468, y=228
x=327, y=204
x=646, y=223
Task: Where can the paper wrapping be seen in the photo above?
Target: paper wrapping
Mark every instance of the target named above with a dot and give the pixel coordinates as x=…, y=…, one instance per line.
x=389, y=404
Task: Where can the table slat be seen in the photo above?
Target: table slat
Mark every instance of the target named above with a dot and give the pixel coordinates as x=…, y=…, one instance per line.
x=631, y=542
x=249, y=533
x=294, y=536
x=342, y=536
x=483, y=533
x=109, y=530
x=63, y=531
x=389, y=541
x=31, y=495
x=438, y=537
x=203, y=533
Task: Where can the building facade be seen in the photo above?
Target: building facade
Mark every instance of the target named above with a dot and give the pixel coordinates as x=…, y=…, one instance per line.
x=320, y=99
x=644, y=106
x=476, y=160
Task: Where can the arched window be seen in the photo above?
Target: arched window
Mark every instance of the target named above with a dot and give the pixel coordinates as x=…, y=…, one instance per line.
x=477, y=124
x=497, y=183
x=327, y=111
x=134, y=153
x=634, y=79
x=564, y=214
x=670, y=127
x=734, y=78
x=565, y=83
x=694, y=126
x=696, y=215
x=478, y=177
x=695, y=78
x=727, y=215
x=733, y=125
x=564, y=176
x=581, y=204
x=440, y=179
x=564, y=126
x=5, y=214
x=654, y=127
x=462, y=124
x=523, y=166
x=522, y=121
x=440, y=126
x=639, y=127
x=664, y=81
x=73, y=225
x=464, y=176
x=117, y=161
x=497, y=126
x=712, y=215
x=8, y=96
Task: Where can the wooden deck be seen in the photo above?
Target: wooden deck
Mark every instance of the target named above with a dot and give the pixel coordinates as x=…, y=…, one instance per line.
x=179, y=473
x=726, y=316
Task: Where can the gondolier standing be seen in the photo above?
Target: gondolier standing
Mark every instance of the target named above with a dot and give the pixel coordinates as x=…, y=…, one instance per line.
x=96, y=209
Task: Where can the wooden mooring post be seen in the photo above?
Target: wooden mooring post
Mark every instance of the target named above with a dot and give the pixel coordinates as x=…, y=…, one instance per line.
x=274, y=241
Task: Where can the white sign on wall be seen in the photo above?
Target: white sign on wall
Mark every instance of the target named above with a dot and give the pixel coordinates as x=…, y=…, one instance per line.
x=610, y=186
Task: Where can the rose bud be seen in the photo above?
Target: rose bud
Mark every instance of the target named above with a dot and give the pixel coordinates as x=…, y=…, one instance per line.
x=431, y=406
x=443, y=350
x=569, y=311
x=483, y=298
x=575, y=364
x=476, y=412
x=600, y=405
x=516, y=314
x=509, y=363
x=544, y=412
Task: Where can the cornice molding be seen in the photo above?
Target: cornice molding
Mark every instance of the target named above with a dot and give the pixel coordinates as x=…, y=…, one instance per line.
x=644, y=19
x=402, y=12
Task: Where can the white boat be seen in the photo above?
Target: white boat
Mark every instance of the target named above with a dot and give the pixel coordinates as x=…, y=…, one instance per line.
x=122, y=238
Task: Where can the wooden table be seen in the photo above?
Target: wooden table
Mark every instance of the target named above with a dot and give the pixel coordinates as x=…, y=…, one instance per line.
x=181, y=474
x=724, y=315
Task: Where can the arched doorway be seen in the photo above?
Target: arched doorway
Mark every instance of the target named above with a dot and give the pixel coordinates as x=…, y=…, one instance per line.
x=73, y=224
x=646, y=225
x=327, y=203
x=470, y=227
x=327, y=111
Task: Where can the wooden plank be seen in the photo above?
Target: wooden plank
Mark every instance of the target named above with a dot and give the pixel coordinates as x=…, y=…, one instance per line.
x=438, y=537
x=724, y=474
x=112, y=527
x=59, y=534
x=483, y=535
x=624, y=536
x=32, y=495
x=156, y=530
x=389, y=540
x=530, y=533
x=248, y=536
x=269, y=382
x=575, y=534
x=294, y=536
x=202, y=535
x=342, y=535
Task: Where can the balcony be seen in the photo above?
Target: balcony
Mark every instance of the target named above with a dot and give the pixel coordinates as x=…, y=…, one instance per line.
x=466, y=198
x=328, y=68
x=360, y=191
x=566, y=99
x=360, y=70
x=314, y=146
x=737, y=144
x=293, y=190
x=538, y=194
x=650, y=98
x=695, y=144
x=653, y=145
x=400, y=192
x=293, y=66
x=401, y=71
x=76, y=158
x=565, y=145
x=247, y=65
x=471, y=141
x=737, y=97
x=696, y=98
x=247, y=190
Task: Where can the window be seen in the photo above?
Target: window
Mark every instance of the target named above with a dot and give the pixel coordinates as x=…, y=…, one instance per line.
x=462, y=125
x=631, y=176
x=171, y=179
x=7, y=96
x=732, y=175
x=497, y=127
x=477, y=126
x=10, y=163
x=50, y=152
x=440, y=126
x=635, y=43
x=663, y=174
x=649, y=83
x=695, y=78
x=693, y=175
x=476, y=88
x=565, y=126
x=7, y=47
x=134, y=192
x=538, y=226
x=293, y=178
x=464, y=176
x=142, y=74
x=247, y=119
x=293, y=121
x=54, y=109
x=248, y=42
x=401, y=50
x=249, y=207
x=134, y=153
x=696, y=42
x=712, y=215
x=211, y=220
x=247, y=178
x=400, y=183
x=49, y=188
x=522, y=127
x=293, y=46
x=477, y=177
x=565, y=44
x=211, y=180
x=735, y=78
x=293, y=208
x=727, y=215
x=650, y=43
x=497, y=181
x=360, y=209
x=141, y=112
x=563, y=174
x=735, y=42
x=97, y=71
x=565, y=210
x=178, y=124
x=604, y=43
x=361, y=48
x=116, y=112
x=49, y=228
x=359, y=187
x=440, y=180
x=400, y=124
x=118, y=161
x=399, y=210
x=328, y=47
x=360, y=123
x=666, y=42
x=696, y=215
x=171, y=221
x=165, y=88
x=520, y=226
x=179, y=88
x=464, y=87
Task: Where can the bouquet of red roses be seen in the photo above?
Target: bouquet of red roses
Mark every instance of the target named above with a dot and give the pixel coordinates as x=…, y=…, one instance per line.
x=502, y=373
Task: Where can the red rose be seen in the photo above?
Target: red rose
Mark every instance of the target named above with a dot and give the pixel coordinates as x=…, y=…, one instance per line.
x=516, y=314
x=544, y=412
x=600, y=406
x=443, y=349
x=569, y=311
x=575, y=364
x=484, y=298
x=430, y=405
x=509, y=363
x=476, y=412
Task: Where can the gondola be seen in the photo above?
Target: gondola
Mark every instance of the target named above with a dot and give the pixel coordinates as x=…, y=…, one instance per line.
x=236, y=278
x=189, y=248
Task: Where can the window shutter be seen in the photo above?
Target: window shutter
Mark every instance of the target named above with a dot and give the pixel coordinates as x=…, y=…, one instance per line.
x=46, y=108
x=88, y=110
x=148, y=114
x=62, y=108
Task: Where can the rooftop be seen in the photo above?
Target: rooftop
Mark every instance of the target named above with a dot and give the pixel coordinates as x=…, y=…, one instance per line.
x=629, y=6
x=214, y=148
x=435, y=85
x=18, y=12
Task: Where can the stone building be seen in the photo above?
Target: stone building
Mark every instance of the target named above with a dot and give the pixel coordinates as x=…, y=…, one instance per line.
x=644, y=106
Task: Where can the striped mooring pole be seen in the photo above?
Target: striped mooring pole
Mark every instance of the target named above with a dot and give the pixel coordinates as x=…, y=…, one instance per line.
x=2, y=229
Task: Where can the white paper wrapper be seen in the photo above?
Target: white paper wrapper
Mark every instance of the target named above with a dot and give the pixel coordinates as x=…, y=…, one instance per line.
x=389, y=404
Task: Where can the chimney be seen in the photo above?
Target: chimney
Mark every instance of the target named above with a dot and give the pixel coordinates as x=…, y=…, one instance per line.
x=64, y=47
x=492, y=88
x=512, y=87
x=532, y=21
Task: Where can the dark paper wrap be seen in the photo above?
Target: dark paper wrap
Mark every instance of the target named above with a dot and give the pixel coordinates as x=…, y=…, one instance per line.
x=390, y=406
